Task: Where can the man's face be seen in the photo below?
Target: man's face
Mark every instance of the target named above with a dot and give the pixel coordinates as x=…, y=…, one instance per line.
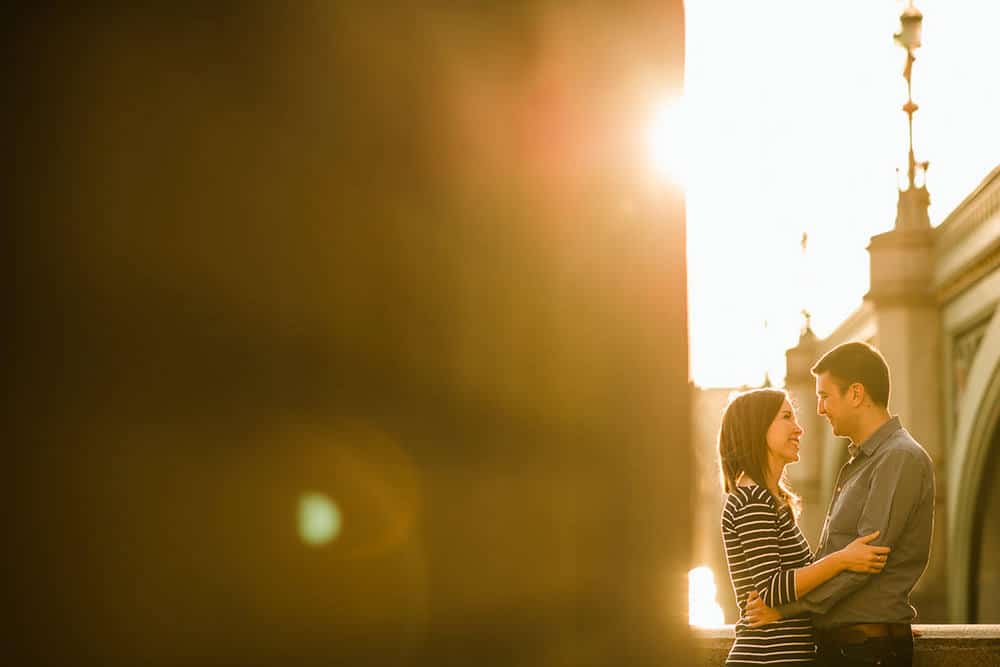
x=833, y=404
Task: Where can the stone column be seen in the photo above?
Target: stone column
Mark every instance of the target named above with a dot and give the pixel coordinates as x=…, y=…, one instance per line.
x=909, y=337
x=371, y=255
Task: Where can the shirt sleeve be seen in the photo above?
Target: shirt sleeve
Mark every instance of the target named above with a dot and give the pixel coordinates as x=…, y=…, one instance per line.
x=756, y=525
x=896, y=488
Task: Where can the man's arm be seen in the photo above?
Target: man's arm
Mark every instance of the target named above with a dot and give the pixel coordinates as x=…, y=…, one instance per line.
x=895, y=490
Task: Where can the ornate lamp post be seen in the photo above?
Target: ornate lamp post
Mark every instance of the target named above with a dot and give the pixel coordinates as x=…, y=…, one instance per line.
x=913, y=201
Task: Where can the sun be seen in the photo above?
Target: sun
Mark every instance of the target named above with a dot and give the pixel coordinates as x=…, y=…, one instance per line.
x=667, y=141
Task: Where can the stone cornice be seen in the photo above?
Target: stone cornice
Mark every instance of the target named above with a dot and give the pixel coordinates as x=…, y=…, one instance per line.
x=981, y=266
x=975, y=209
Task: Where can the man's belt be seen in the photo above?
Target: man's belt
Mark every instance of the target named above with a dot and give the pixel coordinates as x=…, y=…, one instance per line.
x=861, y=632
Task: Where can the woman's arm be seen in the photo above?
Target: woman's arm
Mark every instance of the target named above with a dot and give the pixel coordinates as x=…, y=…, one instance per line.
x=754, y=522
x=857, y=556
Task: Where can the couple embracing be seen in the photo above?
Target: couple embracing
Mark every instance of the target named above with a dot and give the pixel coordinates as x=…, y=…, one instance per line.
x=847, y=603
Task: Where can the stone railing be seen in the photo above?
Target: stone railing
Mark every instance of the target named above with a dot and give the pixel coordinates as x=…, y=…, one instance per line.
x=937, y=646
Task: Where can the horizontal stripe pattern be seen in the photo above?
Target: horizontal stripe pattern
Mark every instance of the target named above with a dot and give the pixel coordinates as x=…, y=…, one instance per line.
x=764, y=546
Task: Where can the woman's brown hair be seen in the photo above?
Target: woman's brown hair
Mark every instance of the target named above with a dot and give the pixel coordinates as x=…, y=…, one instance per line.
x=743, y=443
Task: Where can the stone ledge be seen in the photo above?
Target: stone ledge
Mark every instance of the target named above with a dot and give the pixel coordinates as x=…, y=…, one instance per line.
x=937, y=645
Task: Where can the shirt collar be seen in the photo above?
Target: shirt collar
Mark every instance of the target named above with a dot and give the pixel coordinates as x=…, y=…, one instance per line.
x=873, y=441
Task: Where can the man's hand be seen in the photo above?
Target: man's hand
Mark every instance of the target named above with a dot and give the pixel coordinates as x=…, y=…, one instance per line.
x=758, y=613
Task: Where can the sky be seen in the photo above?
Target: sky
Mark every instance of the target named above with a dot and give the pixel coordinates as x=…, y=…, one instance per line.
x=793, y=108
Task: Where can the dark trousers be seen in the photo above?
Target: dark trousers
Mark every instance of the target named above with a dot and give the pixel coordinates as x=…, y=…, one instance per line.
x=883, y=651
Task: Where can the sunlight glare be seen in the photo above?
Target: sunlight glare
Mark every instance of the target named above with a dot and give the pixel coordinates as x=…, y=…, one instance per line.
x=703, y=610
x=667, y=141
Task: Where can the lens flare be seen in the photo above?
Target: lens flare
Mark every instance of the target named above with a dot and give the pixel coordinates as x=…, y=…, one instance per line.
x=319, y=519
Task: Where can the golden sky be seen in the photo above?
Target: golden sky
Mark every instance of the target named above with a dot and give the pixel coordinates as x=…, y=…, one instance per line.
x=794, y=107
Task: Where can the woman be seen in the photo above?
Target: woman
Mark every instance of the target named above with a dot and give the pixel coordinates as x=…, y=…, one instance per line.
x=765, y=549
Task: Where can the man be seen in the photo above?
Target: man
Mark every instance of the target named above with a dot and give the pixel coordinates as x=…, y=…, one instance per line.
x=887, y=485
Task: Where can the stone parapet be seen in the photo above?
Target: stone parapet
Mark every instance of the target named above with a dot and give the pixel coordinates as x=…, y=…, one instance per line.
x=937, y=646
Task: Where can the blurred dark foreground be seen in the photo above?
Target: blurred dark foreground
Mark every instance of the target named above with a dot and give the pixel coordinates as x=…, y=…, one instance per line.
x=404, y=257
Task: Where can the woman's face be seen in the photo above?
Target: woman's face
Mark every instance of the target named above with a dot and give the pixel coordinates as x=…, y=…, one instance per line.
x=783, y=437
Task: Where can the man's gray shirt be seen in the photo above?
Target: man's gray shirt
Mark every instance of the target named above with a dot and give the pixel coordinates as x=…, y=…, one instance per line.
x=888, y=485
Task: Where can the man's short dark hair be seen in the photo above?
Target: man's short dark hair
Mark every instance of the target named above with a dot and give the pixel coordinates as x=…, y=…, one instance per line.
x=857, y=362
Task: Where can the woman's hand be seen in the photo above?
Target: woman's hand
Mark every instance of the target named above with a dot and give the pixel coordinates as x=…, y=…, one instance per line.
x=859, y=556
x=758, y=613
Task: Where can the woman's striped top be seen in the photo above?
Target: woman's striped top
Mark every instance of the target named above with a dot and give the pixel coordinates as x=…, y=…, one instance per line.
x=763, y=547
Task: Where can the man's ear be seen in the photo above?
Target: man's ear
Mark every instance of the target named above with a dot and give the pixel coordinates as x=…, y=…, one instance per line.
x=856, y=394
